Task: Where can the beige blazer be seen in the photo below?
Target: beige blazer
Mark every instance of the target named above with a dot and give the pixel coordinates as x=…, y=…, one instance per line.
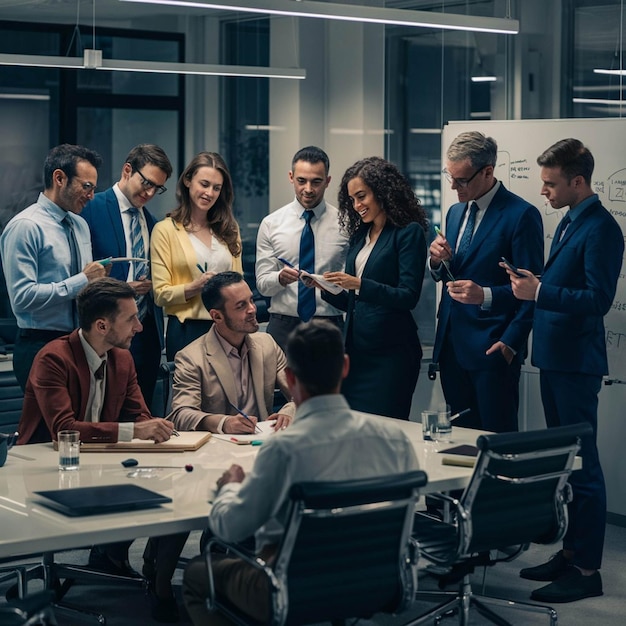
x=204, y=384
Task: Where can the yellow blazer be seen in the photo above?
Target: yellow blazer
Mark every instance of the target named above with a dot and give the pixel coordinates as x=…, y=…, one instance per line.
x=173, y=262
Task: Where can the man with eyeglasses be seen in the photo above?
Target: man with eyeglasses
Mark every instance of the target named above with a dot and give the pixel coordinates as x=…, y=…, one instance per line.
x=121, y=226
x=482, y=332
x=46, y=254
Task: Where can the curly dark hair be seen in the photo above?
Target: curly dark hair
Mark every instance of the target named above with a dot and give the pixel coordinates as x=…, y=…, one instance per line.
x=220, y=218
x=391, y=189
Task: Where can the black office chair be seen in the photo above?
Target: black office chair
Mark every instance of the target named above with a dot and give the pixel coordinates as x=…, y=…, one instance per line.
x=517, y=495
x=35, y=609
x=346, y=552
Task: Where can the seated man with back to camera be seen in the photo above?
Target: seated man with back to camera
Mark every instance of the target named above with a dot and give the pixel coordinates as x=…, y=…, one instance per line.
x=325, y=442
x=224, y=381
x=86, y=381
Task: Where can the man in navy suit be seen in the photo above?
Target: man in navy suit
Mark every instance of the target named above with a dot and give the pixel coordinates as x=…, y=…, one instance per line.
x=483, y=329
x=575, y=292
x=110, y=217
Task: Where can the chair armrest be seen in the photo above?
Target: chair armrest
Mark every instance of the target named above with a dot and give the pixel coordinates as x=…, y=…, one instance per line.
x=245, y=555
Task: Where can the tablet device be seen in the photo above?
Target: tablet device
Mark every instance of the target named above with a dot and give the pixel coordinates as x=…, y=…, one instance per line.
x=100, y=500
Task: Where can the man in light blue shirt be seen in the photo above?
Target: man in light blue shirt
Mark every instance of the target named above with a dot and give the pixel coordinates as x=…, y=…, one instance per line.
x=46, y=254
x=327, y=441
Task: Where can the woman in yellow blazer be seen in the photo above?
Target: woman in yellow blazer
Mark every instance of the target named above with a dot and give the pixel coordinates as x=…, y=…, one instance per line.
x=194, y=242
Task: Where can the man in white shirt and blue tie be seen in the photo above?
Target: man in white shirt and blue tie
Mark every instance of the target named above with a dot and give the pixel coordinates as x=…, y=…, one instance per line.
x=302, y=235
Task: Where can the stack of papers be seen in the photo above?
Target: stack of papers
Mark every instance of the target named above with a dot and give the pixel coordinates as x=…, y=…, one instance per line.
x=321, y=281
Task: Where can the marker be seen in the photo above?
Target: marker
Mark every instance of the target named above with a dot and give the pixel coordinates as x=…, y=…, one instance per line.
x=256, y=428
x=200, y=267
x=257, y=442
x=463, y=412
x=438, y=231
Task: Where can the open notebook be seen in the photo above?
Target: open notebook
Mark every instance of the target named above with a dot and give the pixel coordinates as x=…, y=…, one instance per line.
x=266, y=429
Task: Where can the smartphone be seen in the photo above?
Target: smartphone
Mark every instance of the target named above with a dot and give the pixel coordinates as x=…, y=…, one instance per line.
x=512, y=267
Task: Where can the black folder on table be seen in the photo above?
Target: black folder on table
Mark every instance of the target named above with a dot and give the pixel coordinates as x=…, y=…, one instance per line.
x=101, y=500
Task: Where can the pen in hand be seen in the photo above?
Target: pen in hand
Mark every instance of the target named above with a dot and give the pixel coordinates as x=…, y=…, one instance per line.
x=203, y=270
x=287, y=263
x=256, y=428
x=445, y=263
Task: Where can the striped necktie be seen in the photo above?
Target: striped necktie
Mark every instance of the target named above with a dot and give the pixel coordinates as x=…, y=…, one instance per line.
x=140, y=270
x=466, y=238
x=306, y=296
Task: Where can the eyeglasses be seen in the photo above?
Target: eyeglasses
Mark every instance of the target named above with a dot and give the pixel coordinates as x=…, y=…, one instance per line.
x=148, y=185
x=88, y=187
x=462, y=182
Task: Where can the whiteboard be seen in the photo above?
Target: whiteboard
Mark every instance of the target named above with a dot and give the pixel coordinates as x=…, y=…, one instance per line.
x=520, y=142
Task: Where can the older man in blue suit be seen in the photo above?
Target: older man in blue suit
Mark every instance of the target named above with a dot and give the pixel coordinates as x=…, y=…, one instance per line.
x=483, y=329
x=120, y=227
x=572, y=297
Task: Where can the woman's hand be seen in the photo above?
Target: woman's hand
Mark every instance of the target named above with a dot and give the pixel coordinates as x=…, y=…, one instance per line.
x=195, y=286
x=347, y=281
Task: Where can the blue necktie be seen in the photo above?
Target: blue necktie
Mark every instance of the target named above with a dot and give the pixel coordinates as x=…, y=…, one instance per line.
x=306, y=296
x=138, y=251
x=466, y=238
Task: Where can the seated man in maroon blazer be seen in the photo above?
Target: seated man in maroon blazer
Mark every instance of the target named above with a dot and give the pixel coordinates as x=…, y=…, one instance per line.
x=86, y=381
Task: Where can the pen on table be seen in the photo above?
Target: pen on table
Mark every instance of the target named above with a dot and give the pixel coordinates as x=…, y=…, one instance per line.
x=463, y=412
x=256, y=428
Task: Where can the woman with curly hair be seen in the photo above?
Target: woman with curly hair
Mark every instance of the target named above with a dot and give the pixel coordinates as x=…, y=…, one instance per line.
x=382, y=283
x=194, y=242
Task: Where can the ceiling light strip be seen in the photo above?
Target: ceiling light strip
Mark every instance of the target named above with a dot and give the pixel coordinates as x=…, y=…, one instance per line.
x=158, y=67
x=353, y=13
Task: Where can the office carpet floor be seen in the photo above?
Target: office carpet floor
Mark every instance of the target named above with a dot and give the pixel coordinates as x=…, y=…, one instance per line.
x=129, y=607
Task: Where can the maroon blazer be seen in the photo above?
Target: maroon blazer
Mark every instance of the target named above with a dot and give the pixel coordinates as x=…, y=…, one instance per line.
x=58, y=389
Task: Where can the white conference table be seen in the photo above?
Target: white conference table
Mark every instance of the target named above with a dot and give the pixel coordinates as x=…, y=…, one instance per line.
x=29, y=528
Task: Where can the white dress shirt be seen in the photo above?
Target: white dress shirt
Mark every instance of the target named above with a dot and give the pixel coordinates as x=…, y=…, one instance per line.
x=326, y=441
x=279, y=236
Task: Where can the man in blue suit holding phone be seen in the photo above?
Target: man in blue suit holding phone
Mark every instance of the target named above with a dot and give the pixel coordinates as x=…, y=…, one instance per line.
x=121, y=226
x=483, y=329
x=575, y=292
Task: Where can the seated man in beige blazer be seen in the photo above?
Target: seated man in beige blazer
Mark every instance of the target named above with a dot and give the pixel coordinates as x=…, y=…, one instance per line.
x=224, y=381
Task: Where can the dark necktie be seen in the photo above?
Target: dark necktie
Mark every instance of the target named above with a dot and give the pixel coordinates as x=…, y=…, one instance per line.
x=306, y=296
x=466, y=238
x=99, y=373
x=560, y=231
x=140, y=270
x=68, y=225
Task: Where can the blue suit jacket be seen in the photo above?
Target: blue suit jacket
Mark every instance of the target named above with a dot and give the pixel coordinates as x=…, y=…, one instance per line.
x=511, y=228
x=577, y=290
x=108, y=239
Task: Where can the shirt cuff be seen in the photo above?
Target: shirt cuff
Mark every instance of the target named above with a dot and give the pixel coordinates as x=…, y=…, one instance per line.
x=487, y=299
x=537, y=292
x=220, y=426
x=435, y=272
x=125, y=431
